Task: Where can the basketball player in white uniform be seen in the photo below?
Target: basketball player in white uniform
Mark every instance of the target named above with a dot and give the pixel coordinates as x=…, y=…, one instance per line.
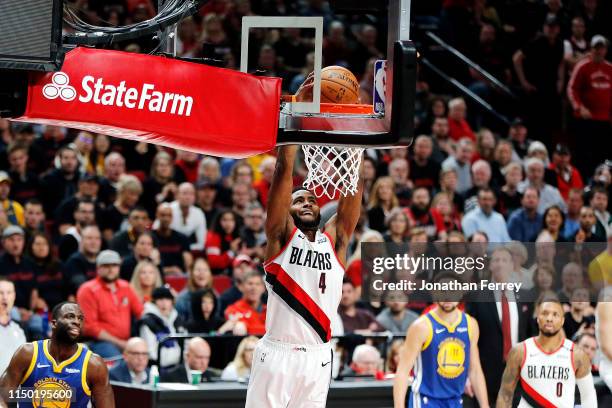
x=603, y=330
x=549, y=366
x=292, y=363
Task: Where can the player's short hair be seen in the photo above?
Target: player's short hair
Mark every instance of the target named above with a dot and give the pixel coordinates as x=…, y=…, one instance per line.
x=547, y=297
x=55, y=312
x=299, y=188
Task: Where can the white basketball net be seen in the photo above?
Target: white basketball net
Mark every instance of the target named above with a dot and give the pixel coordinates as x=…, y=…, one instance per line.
x=332, y=170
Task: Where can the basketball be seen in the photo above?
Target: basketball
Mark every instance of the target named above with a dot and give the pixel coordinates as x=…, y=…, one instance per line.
x=338, y=85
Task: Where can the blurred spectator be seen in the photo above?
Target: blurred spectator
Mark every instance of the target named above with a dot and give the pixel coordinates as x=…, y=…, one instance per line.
x=576, y=47
x=262, y=186
x=579, y=319
x=588, y=343
x=575, y=203
x=49, y=145
x=87, y=189
x=395, y=317
x=399, y=171
x=424, y=171
x=481, y=178
x=34, y=218
x=336, y=50
x=197, y=357
x=144, y=250
x=502, y=157
x=519, y=258
x=205, y=314
x=249, y=312
x=114, y=169
x=459, y=128
x=145, y=279
x=382, y=201
x=13, y=210
x=451, y=218
x=599, y=203
x=461, y=163
x=206, y=197
x=590, y=93
x=241, y=265
x=81, y=265
x=123, y=241
x=200, y=277
x=354, y=268
x=223, y=242
x=586, y=231
x=187, y=218
x=173, y=246
x=50, y=290
x=398, y=226
x=161, y=185
x=509, y=197
x=365, y=48
x=84, y=216
x=240, y=367
x=366, y=361
x=17, y=267
x=549, y=195
x=567, y=177
x=485, y=219
x=109, y=304
x=422, y=215
x=133, y=368
x=188, y=164
x=242, y=195
x=160, y=319
x=442, y=147
x=10, y=332
x=393, y=354
x=543, y=280
x=525, y=223
x=552, y=223
x=253, y=236
x=24, y=182
x=354, y=319
x=517, y=133
x=61, y=182
x=115, y=217
x=571, y=279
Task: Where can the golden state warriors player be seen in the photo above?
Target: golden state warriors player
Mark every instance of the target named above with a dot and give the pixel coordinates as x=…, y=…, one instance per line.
x=59, y=364
x=442, y=348
x=292, y=363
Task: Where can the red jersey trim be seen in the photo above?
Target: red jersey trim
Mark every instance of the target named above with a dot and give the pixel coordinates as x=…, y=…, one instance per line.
x=533, y=397
x=548, y=352
x=266, y=263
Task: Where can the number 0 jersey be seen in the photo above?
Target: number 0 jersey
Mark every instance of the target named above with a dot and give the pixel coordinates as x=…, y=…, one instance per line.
x=547, y=379
x=304, y=284
x=45, y=374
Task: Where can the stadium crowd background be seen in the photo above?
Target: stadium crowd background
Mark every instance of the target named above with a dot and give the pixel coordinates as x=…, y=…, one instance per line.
x=189, y=229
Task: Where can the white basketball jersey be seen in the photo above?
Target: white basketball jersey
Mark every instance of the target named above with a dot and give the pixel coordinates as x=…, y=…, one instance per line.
x=548, y=379
x=304, y=284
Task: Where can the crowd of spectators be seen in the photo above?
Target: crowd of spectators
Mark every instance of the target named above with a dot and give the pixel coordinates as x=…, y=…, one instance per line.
x=153, y=241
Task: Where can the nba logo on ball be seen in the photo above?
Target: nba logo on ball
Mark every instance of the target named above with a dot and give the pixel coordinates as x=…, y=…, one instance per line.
x=380, y=81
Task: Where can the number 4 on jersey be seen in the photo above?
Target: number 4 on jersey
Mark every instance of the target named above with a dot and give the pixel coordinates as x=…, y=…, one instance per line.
x=322, y=285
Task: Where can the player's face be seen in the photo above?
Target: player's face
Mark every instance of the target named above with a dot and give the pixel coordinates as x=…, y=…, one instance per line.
x=550, y=318
x=305, y=210
x=447, y=307
x=68, y=326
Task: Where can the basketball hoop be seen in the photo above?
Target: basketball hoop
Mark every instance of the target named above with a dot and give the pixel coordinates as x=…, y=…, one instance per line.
x=332, y=170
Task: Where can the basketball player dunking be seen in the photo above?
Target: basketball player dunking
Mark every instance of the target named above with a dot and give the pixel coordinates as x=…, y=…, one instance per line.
x=60, y=364
x=549, y=366
x=442, y=348
x=304, y=272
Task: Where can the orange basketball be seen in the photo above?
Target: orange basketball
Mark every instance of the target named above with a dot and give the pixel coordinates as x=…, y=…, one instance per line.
x=338, y=85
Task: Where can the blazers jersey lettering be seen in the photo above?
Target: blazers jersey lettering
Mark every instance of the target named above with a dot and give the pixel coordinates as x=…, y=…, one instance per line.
x=547, y=379
x=304, y=282
x=44, y=373
x=441, y=369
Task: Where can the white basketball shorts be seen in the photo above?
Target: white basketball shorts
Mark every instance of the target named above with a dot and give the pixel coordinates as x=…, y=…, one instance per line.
x=287, y=375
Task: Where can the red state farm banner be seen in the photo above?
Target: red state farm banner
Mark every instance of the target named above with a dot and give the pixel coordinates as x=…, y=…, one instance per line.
x=159, y=100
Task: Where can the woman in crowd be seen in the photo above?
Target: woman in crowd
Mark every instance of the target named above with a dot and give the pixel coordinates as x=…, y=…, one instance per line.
x=204, y=314
x=241, y=173
x=485, y=144
x=223, y=242
x=443, y=205
x=369, y=176
x=382, y=201
x=552, y=223
x=398, y=225
x=393, y=356
x=101, y=148
x=240, y=367
x=144, y=250
x=145, y=279
x=161, y=184
x=50, y=289
x=129, y=190
x=448, y=185
x=200, y=277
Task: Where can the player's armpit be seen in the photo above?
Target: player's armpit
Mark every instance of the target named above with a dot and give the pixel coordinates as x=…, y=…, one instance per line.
x=510, y=377
x=98, y=381
x=14, y=373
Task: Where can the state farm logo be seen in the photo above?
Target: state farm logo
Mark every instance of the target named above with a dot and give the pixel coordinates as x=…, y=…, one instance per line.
x=96, y=91
x=59, y=87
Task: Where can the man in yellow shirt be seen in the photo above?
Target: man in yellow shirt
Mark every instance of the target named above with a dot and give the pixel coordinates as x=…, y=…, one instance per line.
x=600, y=268
x=14, y=210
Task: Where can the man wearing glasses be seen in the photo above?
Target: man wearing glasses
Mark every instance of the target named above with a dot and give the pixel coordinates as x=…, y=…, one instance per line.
x=133, y=369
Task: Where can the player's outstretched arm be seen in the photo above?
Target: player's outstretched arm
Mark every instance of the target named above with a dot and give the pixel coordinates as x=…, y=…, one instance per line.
x=418, y=333
x=476, y=375
x=16, y=370
x=342, y=225
x=278, y=221
x=584, y=379
x=510, y=377
x=98, y=381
